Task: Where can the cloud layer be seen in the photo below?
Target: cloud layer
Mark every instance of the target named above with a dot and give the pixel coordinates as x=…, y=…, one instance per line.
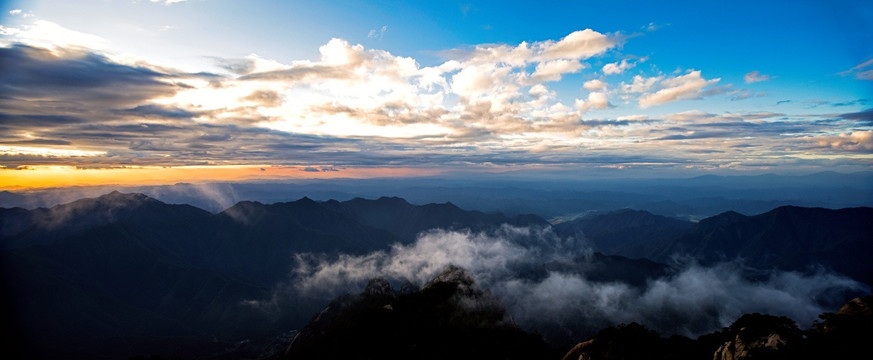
x=512, y=263
x=486, y=105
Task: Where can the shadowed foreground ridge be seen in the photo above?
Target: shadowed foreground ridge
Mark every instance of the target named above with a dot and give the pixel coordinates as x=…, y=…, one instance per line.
x=449, y=318
x=842, y=335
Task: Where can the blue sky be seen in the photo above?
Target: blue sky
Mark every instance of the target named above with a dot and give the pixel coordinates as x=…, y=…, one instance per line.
x=679, y=86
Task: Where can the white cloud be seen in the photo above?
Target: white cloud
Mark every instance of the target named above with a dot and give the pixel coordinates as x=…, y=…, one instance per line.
x=580, y=44
x=14, y=12
x=688, y=86
x=852, y=141
x=564, y=295
x=596, y=100
x=552, y=70
x=616, y=68
x=378, y=34
x=755, y=76
x=538, y=90
x=640, y=84
x=46, y=34
x=620, y=67
x=594, y=85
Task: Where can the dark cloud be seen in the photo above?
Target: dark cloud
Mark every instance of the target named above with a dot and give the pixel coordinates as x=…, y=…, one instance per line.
x=38, y=142
x=31, y=121
x=158, y=111
x=608, y=122
x=310, y=169
x=302, y=73
x=236, y=66
x=79, y=77
x=865, y=116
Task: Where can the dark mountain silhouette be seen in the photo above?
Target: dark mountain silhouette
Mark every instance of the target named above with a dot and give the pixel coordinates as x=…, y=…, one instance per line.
x=788, y=237
x=449, y=318
x=844, y=335
x=124, y=273
x=630, y=233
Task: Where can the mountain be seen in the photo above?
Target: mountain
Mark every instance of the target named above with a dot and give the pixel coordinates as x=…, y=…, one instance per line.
x=124, y=273
x=842, y=335
x=449, y=318
x=406, y=220
x=630, y=233
x=788, y=238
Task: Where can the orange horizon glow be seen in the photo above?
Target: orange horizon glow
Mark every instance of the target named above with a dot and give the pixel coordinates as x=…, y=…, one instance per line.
x=50, y=176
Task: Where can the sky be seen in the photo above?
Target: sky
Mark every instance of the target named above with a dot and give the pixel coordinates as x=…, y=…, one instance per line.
x=152, y=92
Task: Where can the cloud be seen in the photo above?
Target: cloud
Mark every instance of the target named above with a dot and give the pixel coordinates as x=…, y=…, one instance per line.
x=543, y=280
x=594, y=85
x=861, y=71
x=552, y=70
x=578, y=45
x=596, y=100
x=755, y=76
x=852, y=141
x=378, y=34
x=617, y=67
x=688, y=86
x=488, y=104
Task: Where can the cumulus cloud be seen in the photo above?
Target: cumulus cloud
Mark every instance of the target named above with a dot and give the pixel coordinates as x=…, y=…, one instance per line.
x=543, y=281
x=596, y=100
x=755, y=76
x=578, y=45
x=594, y=85
x=852, y=141
x=617, y=67
x=552, y=70
x=688, y=86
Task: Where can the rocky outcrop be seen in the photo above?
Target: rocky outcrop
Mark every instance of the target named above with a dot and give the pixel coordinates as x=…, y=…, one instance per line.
x=845, y=334
x=449, y=318
x=756, y=336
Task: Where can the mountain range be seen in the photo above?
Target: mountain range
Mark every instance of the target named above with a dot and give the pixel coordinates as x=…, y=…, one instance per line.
x=124, y=274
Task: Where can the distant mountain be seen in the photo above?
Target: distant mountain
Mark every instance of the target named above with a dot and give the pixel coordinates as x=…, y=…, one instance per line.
x=121, y=273
x=449, y=318
x=630, y=233
x=406, y=220
x=788, y=237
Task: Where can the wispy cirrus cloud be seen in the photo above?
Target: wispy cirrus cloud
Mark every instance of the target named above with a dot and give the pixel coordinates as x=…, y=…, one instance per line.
x=862, y=71
x=755, y=76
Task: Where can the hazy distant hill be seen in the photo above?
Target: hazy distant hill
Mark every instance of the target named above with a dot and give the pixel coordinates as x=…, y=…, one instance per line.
x=788, y=237
x=631, y=233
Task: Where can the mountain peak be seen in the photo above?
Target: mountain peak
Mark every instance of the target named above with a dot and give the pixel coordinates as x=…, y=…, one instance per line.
x=452, y=274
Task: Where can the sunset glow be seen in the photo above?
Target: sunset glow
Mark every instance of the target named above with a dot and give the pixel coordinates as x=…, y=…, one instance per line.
x=58, y=176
